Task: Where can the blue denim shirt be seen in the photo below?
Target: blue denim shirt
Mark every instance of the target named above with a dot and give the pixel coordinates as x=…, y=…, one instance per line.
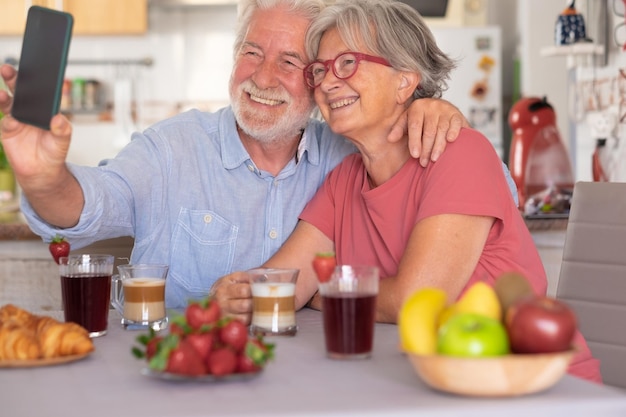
x=188, y=192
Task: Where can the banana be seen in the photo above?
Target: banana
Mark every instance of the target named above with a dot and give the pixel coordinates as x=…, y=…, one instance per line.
x=418, y=321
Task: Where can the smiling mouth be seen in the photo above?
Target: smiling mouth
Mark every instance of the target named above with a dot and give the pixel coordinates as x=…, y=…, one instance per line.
x=342, y=103
x=266, y=101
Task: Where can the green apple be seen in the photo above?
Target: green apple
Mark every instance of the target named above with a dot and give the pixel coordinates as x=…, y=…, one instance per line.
x=472, y=335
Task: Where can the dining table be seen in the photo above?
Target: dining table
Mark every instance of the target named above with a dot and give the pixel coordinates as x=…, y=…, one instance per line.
x=299, y=381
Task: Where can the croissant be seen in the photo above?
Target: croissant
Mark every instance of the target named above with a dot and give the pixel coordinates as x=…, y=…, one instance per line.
x=18, y=342
x=27, y=336
x=62, y=339
x=11, y=313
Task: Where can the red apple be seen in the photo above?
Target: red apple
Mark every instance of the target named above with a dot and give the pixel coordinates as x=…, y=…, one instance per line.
x=540, y=325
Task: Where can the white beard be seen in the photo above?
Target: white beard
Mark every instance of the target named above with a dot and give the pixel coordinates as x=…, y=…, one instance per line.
x=276, y=129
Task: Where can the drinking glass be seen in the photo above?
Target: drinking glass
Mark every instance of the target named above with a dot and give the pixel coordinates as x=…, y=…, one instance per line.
x=273, y=301
x=86, y=290
x=139, y=296
x=349, y=311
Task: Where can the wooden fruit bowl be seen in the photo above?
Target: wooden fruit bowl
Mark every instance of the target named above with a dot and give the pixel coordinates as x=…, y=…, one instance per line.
x=502, y=376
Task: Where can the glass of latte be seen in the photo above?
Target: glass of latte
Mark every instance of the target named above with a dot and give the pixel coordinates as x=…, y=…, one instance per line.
x=139, y=296
x=273, y=301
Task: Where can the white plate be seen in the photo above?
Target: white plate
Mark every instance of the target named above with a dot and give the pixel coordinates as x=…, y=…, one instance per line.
x=202, y=378
x=32, y=363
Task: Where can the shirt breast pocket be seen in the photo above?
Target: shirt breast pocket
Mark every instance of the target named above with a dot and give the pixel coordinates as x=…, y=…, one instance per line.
x=203, y=249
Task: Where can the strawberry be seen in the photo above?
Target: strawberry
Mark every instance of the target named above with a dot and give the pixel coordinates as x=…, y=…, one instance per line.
x=255, y=355
x=202, y=343
x=222, y=361
x=152, y=347
x=185, y=360
x=177, y=356
x=324, y=264
x=178, y=325
x=234, y=333
x=267, y=349
x=203, y=312
x=59, y=247
x=176, y=328
x=149, y=343
x=246, y=365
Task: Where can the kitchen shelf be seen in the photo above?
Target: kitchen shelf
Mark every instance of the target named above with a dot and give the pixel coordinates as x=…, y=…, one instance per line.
x=581, y=48
x=147, y=62
x=577, y=54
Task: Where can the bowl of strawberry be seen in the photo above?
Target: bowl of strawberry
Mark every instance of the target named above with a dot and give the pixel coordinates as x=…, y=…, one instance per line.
x=203, y=345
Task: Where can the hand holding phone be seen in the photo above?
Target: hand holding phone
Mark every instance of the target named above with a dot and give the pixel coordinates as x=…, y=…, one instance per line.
x=42, y=65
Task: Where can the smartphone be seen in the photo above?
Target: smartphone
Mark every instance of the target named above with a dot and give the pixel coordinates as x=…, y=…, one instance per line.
x=41, y=68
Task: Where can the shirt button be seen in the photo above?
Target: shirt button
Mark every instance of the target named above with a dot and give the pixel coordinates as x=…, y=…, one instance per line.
x=208, y=218
x=273, y=234
x=251, y=168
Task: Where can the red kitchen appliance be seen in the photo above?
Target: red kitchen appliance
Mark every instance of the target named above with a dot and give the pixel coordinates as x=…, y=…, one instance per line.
x=538, y=160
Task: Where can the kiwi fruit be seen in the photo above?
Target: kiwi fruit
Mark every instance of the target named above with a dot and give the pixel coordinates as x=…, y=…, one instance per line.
x=510, y=287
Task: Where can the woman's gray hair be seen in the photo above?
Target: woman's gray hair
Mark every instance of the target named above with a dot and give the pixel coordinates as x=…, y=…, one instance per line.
x=392, y=30
x=307, y=8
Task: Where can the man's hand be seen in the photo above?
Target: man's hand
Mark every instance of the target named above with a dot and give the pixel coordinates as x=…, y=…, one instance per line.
x=34, y=153
x=37, y=157
x=430, y=124
x=234, y=296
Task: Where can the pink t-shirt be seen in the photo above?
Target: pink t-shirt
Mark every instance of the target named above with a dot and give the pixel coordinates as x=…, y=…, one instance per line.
x=372, y=226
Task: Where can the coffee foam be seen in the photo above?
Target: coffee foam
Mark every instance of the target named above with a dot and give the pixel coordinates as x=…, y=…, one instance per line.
x=144, y=282
x=273, y=289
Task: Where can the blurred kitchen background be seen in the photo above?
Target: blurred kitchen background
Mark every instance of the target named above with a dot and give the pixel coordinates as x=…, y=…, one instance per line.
x=133, y=62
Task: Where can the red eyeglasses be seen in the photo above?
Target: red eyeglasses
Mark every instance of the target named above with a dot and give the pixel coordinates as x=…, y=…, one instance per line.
x=344, y=66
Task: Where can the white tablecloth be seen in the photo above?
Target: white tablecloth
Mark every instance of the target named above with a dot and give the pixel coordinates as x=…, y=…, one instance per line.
x=301, y=381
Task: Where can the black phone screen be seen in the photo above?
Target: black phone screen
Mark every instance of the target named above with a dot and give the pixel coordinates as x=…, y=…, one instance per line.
x=42, y=65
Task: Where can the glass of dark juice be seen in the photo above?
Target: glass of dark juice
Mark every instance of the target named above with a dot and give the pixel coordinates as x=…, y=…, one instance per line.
x=349, y=311
x=86, y=290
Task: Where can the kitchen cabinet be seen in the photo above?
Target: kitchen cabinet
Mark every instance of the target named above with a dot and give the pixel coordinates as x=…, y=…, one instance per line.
x=94, y=17
x=108, y=17
x=13, y=17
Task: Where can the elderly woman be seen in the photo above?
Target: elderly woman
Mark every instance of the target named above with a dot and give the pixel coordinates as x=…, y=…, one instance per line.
x=448, y=225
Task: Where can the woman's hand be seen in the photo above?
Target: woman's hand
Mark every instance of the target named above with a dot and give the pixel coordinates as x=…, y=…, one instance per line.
x=233, y=295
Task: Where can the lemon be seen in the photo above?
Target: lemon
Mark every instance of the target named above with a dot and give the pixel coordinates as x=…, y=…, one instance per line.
x=481, y=299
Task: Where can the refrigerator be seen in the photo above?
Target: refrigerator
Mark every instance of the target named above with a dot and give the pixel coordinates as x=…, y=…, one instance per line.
x=475, y=86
